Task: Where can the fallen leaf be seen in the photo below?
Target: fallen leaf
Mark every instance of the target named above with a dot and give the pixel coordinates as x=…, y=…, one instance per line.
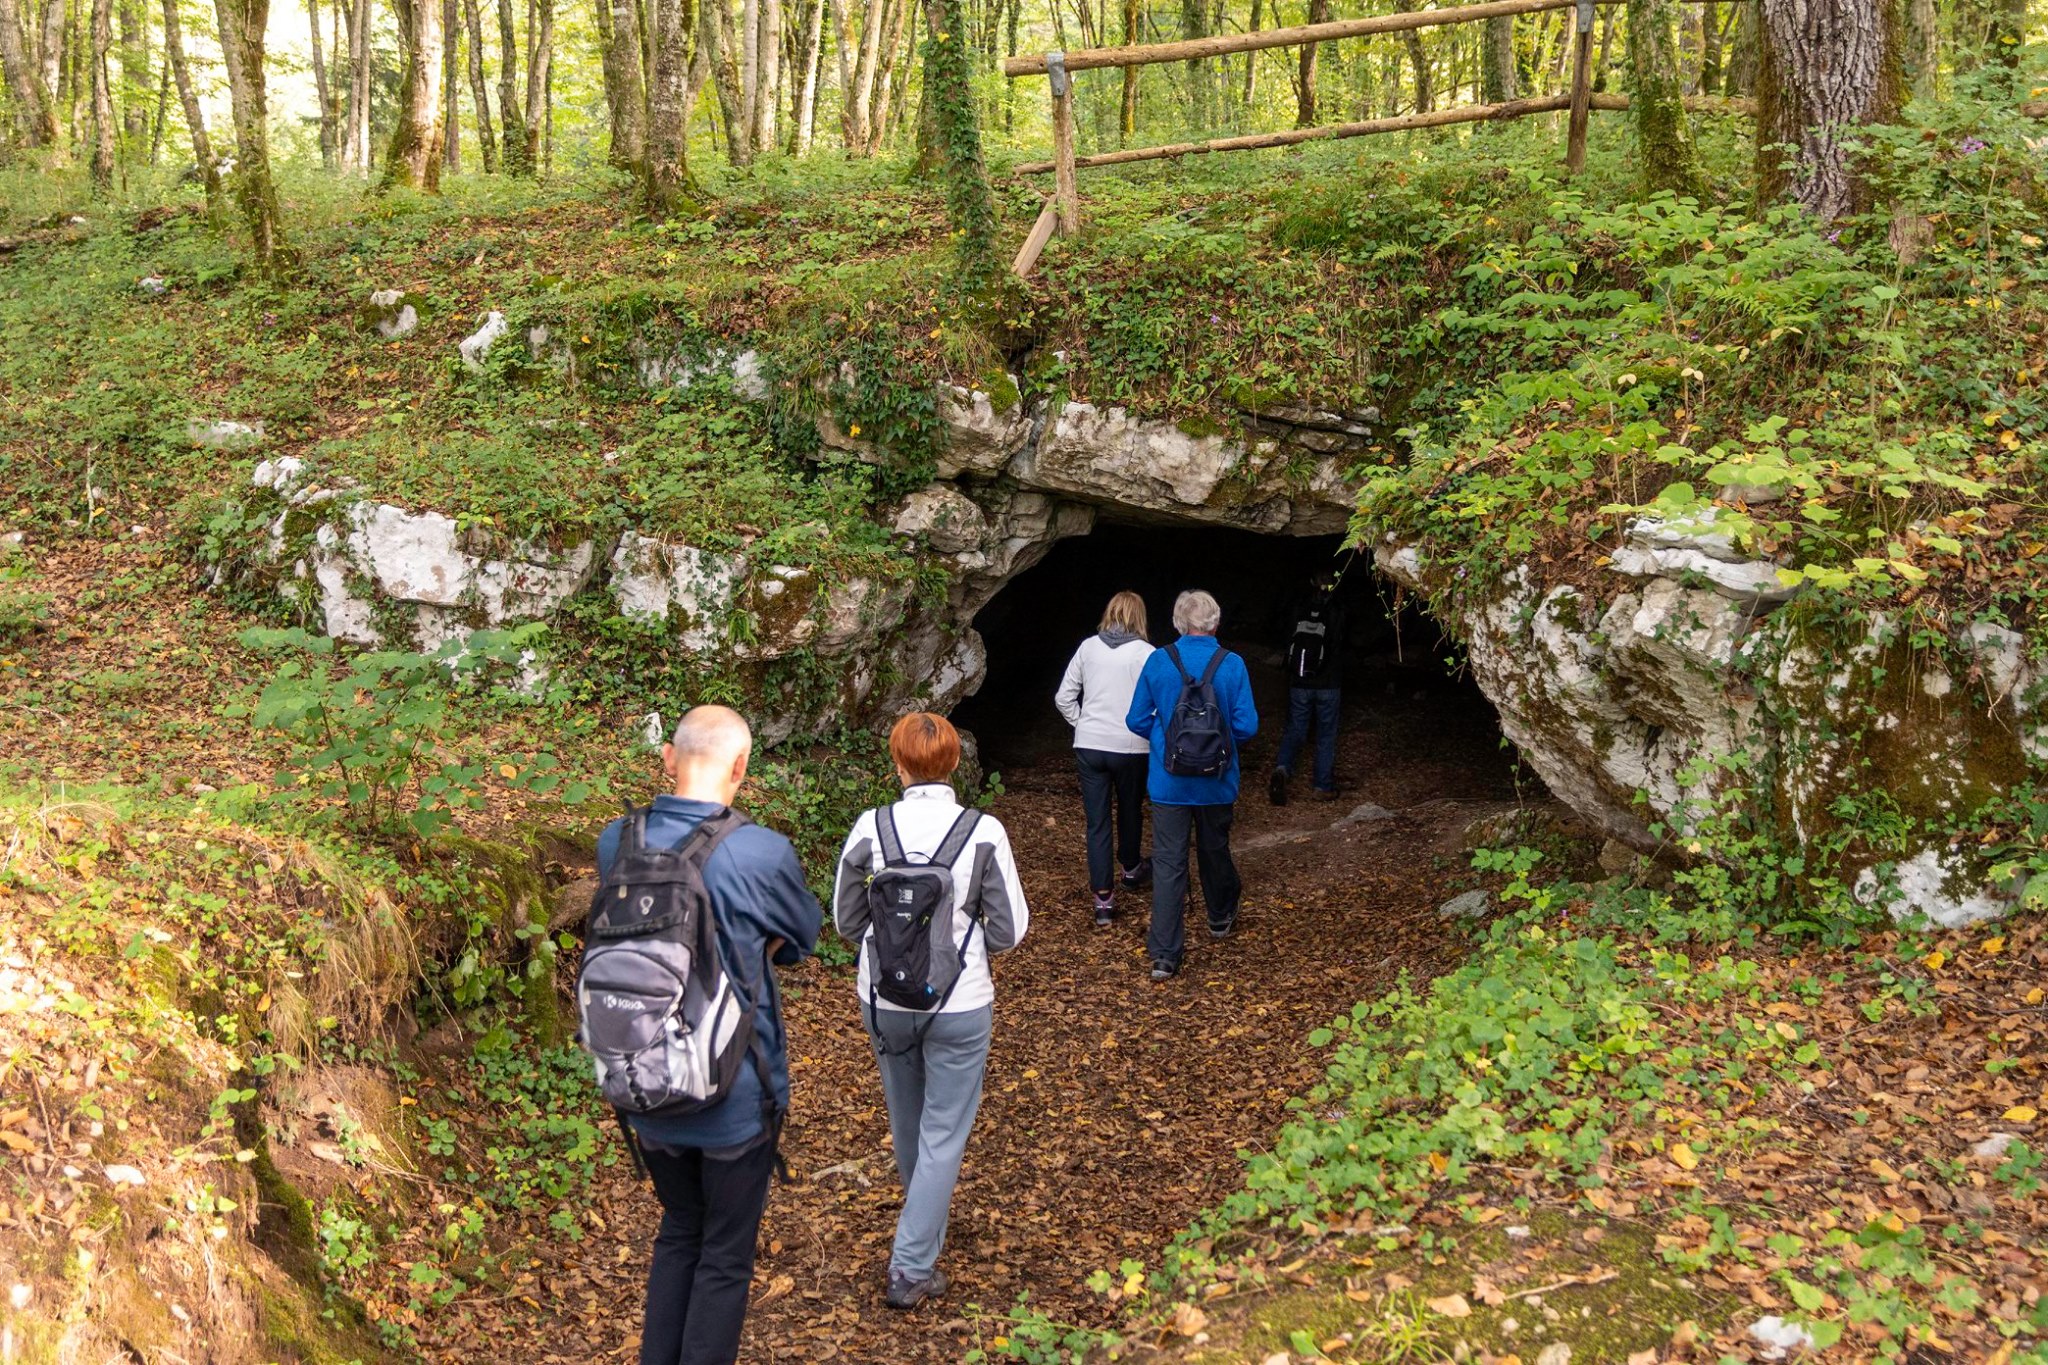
x=1686, y=1158
x=1883, y=1170
x=1451, y=1306
x=1487, y=1292
x=1188, y=1319
x=2022, y=1113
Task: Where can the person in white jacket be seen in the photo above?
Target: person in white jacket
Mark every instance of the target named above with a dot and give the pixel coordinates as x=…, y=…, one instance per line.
x=1095, y=697
x=932, y=1058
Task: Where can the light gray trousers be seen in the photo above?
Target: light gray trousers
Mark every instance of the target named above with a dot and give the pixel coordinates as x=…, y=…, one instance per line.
x=933, y=1091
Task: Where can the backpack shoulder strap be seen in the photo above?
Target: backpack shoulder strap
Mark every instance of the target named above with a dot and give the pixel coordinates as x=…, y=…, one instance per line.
x=1215, y=662
x=633, y=829
x=1173, y=653
x=885, y=830
x=710, y=832
x=955, y=842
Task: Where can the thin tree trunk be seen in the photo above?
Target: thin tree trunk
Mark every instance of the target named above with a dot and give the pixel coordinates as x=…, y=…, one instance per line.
x=1828, y=66
x=102, y=101
x=323, y=92
x=515, y=150
x=131, y=103
x=1498, y=80
x=1251, y=59
x=1418, y=57
x=188, y=99
x=899, y=12
x=451, y=84
x=31, y=103
x=1305, y=102
x=414, y=156
x=669, y=188
x=479, y=90
x=1606, y=38
x=858, y=108
x=242, y=25
x=163, y=110
x=717, y=27
x=50, y=57
x=1710, y=48
x=627, y=96
x=540, y=76
x=1657, y=99
x=811, y=58
x=750, y=66
x=356, y=142
x=1923, y=48
x=768, y=70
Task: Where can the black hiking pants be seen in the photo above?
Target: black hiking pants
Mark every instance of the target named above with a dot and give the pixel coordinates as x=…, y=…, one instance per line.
x=1110, y=779
x=703, y=1254
x=1173, y=828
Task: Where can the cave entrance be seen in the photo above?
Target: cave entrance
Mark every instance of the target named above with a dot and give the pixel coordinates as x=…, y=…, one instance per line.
x=1416, y=727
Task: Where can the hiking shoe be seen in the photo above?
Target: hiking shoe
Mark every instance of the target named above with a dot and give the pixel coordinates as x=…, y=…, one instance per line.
x=1105, y=909
x=1326, y=793
x=1225, y=929
x=1162, y=970
x=1136, y=878
x=906, y=1291
x=1276, y=787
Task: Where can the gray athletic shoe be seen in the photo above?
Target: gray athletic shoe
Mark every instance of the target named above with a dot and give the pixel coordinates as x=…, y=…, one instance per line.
x=906, y=1292
x=1162, y=970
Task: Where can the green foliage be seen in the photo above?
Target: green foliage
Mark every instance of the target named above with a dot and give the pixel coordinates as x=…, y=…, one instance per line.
x=22, y=611
x=373, y=734
x=1027, y=1334
x=950, y=93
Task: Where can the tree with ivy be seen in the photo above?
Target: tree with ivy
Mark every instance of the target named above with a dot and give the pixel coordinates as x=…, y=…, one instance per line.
x=949, y=87
x=1656, y=96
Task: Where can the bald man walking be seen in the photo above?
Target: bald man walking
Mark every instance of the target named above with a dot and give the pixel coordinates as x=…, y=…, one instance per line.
x=711, y=1168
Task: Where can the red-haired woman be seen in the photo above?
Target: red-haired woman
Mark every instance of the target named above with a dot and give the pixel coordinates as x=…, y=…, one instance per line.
x=925, y=989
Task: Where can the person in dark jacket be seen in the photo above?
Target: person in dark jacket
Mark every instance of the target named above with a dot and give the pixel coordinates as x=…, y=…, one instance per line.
x=1315, y=680
x=1191, y=809
x=711, y=1169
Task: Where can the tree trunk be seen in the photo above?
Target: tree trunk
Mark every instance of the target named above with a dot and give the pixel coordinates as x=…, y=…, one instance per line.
x=625, y=94
x=102, y=101
x=811, y=56
x=1194, y=23
x=1827, y=67
x=132, y=102
x=356, y=143
x=1710, y=48
x=50, y=54
x=540, y=77
x=323, y=92
x=885, y=76
x=479, y=90
x=514, y=150
x=24, y=80
x=1606, y=41
x=1657, y=99
x=1251, y=59
x=242, y=25
x=1923, y=48
x=163, y=110
x=949, y=95
x=1305, y=103
x=1498, y=80
x=413, y=158
x=188, y=99
x=717, y=29
x=669, y=188
x=768, y=72
x=750, y=66
x=451, y=84
x=1418, y=57
x=858, y=109
x=1738, y=77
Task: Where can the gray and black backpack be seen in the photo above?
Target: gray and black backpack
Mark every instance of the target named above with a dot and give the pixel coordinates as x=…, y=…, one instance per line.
x=660, y=1011
x=910, y=912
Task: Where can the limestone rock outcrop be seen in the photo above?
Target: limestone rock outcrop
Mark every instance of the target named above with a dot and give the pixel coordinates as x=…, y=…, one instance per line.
x=1680, y=696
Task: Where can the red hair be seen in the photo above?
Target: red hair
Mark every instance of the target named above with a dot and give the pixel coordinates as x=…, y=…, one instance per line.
x=925, y=746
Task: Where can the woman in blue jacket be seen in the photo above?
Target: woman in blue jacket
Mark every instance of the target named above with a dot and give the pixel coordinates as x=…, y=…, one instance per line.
x=1191, y=809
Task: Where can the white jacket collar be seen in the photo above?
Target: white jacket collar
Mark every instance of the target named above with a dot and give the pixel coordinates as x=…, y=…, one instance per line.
x=932, y=791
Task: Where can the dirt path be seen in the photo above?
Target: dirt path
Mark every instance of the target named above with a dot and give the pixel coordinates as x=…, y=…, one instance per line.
x=1115, y=1108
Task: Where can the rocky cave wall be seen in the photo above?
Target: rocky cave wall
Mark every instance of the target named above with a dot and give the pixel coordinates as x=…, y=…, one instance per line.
x=1621, y=694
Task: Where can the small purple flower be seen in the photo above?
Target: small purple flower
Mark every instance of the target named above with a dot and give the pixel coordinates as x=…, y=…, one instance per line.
x=1835, y=236
x=1970, y=146
x=1214, y=318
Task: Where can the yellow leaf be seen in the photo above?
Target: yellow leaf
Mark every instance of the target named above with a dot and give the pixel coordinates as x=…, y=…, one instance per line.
x=2036, y=996
x=1451, y=1306
x=14, y=1141
x=1786, y=1031
x=1883, y=1171
x=1992, y=946
x=507, y=771
x=1685, y=1156
x=1935, y=959
x=2022, y=1113
x=1438, y=1162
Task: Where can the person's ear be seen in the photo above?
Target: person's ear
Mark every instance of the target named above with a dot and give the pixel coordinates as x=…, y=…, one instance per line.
x=739, y=768
x=668, y=759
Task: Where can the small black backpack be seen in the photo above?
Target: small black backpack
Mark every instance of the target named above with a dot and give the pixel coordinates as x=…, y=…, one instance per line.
x=666, y=1023
x=910, y=912
x=1197, y=735
x=1309, y=649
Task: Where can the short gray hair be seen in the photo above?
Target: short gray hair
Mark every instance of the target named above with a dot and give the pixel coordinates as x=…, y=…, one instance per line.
x=711, y=732
x=1196, y=613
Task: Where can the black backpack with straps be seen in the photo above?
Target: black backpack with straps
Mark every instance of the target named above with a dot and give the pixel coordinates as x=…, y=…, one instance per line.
x=1198, y=740
x=910, y=911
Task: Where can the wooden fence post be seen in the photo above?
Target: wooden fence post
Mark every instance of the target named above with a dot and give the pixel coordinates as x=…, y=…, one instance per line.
x=1066, y=193
x=1582, y=90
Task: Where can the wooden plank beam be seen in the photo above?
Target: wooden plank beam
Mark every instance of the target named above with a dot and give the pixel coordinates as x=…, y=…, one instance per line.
x=1034, y=245
x=1436, y=118
x=1144, y=54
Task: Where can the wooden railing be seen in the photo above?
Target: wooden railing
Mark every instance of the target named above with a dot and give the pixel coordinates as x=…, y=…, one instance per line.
x=1063, y=209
